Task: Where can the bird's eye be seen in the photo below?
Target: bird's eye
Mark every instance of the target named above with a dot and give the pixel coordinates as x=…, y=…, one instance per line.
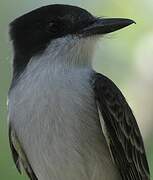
x=52, y=27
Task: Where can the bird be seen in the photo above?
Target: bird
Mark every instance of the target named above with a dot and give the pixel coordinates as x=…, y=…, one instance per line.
x=67, y=121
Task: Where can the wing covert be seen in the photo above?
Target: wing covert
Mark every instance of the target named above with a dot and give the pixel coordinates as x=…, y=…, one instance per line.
x=19, y=155
x=123, y=135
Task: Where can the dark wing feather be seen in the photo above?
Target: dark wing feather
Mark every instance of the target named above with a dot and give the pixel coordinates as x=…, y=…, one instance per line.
x=123, y=135
x=19, y=156
x=14, y=153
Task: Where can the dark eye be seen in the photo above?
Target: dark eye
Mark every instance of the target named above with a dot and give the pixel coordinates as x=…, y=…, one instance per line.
x=52, y=27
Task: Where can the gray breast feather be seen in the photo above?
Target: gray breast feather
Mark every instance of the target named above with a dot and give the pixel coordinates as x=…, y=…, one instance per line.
x=56, y=121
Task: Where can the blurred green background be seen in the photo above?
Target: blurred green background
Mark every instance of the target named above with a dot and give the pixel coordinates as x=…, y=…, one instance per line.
x=125, y=56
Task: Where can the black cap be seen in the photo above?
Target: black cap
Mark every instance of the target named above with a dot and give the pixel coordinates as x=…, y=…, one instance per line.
x=33, y=31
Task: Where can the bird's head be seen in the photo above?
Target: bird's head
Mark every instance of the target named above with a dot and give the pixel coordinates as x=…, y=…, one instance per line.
x=66, y=25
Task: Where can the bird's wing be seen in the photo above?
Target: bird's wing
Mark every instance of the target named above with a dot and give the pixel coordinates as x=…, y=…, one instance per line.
x=19, y=156
x=121, y=130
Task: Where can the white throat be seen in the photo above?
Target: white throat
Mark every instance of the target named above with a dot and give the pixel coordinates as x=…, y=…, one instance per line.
x=69, y=52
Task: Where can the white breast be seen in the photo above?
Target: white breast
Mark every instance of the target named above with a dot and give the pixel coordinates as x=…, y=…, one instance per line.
x=54, y=114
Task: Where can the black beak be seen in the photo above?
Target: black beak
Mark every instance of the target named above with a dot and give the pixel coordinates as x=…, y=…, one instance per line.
x=106, y=25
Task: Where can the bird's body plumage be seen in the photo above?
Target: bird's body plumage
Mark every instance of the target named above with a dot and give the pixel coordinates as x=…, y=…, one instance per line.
x=53, y=95
x=66, y=121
